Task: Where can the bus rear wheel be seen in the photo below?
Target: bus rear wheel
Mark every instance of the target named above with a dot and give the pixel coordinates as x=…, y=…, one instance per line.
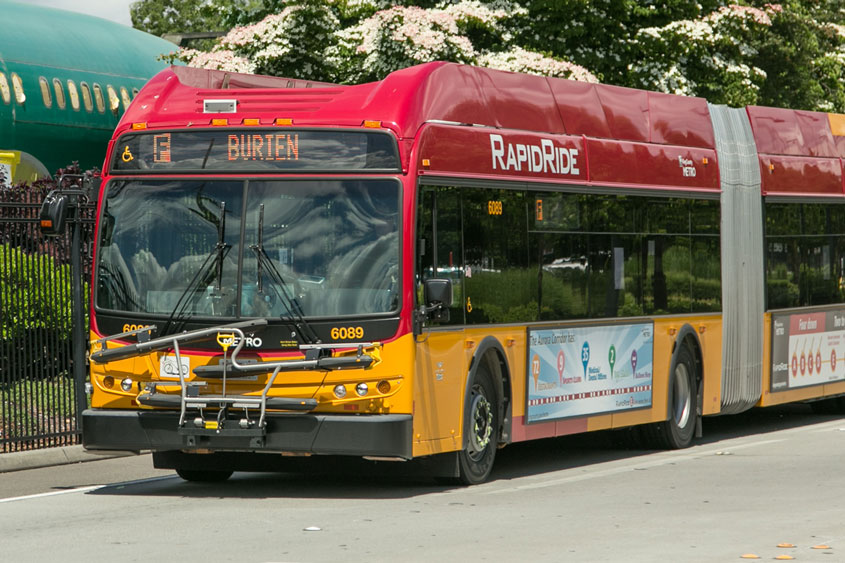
x=481, y=426
x=203, y=476
x=836, y=405
x=677, y=432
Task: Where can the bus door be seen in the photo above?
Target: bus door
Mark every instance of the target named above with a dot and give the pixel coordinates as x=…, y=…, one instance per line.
x=441, y=357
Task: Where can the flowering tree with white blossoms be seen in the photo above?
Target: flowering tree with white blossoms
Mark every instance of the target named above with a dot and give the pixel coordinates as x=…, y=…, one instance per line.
x=293, y=43
x=519, y=60
x=400, y=37
x=305, y=41
x=787, y=55
x=710, y=57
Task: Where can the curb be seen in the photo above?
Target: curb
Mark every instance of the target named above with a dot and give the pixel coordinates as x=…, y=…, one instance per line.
x=48, y=457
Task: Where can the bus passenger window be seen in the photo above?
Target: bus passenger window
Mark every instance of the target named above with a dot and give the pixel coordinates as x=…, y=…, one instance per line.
x=17, y=85
x=124, y=96
x=86, y=97
x=60, y=93
x=114, y=101
x=98, y=96
x=4, y=89
x=73, y=94
x=45, y=92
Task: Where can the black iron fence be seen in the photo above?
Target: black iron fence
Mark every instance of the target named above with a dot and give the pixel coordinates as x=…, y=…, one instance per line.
x=40, y=401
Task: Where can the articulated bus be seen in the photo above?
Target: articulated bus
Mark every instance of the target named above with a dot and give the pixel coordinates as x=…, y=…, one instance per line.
x=451, y=260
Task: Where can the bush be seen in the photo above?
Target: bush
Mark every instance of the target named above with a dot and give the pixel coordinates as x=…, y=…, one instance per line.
x=36, y=294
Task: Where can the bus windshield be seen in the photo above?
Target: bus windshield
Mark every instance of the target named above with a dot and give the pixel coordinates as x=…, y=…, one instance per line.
x=250, y=248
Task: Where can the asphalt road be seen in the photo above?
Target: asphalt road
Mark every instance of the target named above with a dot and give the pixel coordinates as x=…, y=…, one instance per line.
x=755, y=481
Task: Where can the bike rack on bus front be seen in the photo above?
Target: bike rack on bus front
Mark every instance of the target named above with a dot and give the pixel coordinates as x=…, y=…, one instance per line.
x=315, y=359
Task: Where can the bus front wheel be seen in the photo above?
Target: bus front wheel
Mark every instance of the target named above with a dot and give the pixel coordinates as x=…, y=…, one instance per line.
x=677, y=432
x=203, y=476
x=480, y=429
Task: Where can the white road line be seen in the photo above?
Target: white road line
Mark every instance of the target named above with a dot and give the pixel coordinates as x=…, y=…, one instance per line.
x=55, y=493
x=88, y=489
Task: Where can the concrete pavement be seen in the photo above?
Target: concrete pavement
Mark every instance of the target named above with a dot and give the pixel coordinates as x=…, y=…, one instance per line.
x=47, y=457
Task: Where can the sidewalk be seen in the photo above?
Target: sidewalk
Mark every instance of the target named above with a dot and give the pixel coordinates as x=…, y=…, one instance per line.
x=47, y=457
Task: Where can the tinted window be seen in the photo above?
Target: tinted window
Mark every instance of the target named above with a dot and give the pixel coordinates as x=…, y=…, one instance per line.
x=805, y=254
x=440, y=244
x=533, y=255
x=331, y=246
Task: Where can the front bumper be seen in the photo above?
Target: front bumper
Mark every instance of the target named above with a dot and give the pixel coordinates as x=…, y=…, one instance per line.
x=383, y=435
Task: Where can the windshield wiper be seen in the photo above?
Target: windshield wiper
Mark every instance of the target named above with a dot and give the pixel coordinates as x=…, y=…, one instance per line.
x=214, y=258
x=289, y=300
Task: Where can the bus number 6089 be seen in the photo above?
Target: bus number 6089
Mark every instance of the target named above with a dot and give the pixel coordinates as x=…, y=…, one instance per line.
x=347, y=333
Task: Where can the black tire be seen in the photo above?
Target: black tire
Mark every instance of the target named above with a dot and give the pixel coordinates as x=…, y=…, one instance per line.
x=203, y=476
x=835, y=405
x=678, y=431
x=481, y=430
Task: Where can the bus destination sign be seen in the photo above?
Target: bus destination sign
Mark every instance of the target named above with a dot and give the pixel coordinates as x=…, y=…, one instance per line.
x=257, y=150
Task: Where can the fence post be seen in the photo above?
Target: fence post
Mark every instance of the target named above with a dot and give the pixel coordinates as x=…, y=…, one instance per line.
x=80, y=337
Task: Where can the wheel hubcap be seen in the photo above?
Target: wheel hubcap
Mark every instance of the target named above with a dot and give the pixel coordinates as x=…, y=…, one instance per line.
x=482, y=424
x=682, y=400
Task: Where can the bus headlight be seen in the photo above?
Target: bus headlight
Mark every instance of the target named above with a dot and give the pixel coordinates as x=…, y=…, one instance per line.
x=361, y=389
x=339, y=391
x=126, y=384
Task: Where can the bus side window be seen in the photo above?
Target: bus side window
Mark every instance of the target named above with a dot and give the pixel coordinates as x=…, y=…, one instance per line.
x=17, y=85
x=124, y=96
x=439, y=250
x=60, y=93
x=73, y=94
x=499, y=283
x=45, y=92
x=5, y=93
x=114, y=101
x=86, y=97
x=98, y=97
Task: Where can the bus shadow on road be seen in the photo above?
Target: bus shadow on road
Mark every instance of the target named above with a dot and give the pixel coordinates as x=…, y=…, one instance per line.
x=579, y=450
x=350, y=478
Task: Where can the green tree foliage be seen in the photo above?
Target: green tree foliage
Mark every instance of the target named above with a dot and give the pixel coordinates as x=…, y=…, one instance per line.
x=29, y=301
x=803, y=56
x=790, y=54
x=178, y=16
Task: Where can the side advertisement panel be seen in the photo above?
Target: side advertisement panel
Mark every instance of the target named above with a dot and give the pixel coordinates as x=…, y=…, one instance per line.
x=807, y=349
x=578, y=371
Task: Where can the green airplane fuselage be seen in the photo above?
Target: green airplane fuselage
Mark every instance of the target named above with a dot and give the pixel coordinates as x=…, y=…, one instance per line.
x=42, y=45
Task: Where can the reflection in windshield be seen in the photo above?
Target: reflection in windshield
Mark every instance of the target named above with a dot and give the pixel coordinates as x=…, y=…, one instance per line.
x=335, y=245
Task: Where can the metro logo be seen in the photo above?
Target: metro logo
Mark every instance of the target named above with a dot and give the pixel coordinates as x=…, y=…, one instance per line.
x=545, y=158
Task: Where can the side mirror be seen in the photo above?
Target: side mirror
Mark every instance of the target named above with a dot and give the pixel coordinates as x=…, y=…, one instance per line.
x=92, y=186
x=437, y=293
x=53, y=214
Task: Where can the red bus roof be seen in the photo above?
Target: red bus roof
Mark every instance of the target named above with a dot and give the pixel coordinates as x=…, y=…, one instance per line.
x=615, y=123
x=438, y=91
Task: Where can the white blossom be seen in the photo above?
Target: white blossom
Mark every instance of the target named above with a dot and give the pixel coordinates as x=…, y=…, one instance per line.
x=520, y=60
x=216, y=60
